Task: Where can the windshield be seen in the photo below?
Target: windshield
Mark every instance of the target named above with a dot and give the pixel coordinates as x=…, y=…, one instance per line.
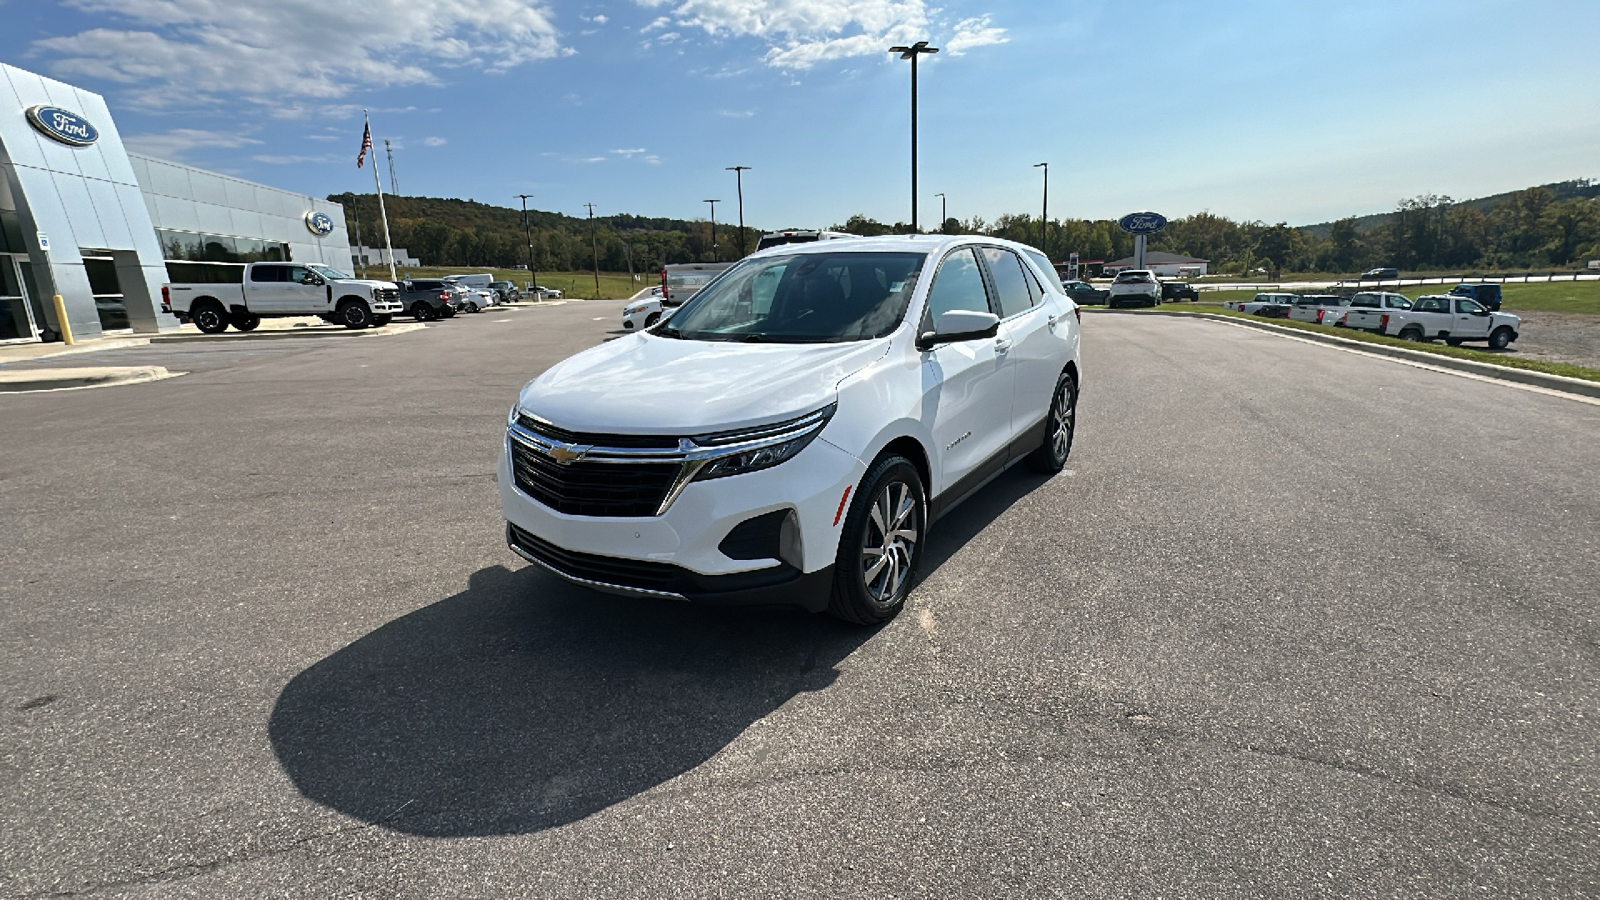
x=802, y=298
x=327, y=271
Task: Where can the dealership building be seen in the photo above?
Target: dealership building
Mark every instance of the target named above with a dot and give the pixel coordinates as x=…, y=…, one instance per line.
x=82, y=218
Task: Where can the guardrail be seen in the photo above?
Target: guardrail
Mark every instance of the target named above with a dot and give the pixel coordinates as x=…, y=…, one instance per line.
x=1400, y=282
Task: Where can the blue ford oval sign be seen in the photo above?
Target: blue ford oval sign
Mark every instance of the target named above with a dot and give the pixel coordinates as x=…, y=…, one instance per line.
x=319, y=223
x=66, y=127
x=1142, y=222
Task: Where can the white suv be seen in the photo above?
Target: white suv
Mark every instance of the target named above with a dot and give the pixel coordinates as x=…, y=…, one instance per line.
x=1135, y=286
x=791, y=432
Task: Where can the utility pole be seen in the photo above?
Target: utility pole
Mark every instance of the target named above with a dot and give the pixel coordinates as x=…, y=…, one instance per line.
x=595, y=243
x=942, y=215
x=361, y=252
x=738, y=175
x=1044, y=213
x=527, y=225
x=911, y=53
x=714, y=253
x=394, y=184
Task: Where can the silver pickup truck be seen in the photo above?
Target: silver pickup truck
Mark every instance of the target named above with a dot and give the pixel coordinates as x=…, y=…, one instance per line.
x=1455, y=319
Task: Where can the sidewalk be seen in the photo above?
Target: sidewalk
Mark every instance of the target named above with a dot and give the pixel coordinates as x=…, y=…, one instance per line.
x=270, y=329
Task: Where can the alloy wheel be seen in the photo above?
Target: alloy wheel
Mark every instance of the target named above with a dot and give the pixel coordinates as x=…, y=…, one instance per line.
x=889, y=543
x=1063, y=419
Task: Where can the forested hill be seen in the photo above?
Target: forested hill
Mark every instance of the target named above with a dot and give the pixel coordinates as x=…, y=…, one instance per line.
x=1582, y=188
x=446, y=231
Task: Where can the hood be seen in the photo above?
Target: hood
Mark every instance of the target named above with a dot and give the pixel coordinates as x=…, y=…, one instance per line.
x=643, y=384
x=381, y=285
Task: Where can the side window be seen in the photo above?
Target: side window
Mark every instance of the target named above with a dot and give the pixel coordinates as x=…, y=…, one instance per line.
x=1010, y=282
x=1470, y=306
x=264, y=274
x=295, y=273
x=1397, y=301
x=1042, y=262
x=958, y=286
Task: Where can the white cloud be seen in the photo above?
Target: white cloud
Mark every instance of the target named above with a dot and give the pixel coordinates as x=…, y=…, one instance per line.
x=292, y=159
x=630, y=153
x=175, y=143
x=976, y=32
x=657, y=24
x=802, y=33
x=434, y=141
x=180, y=52
x=600, y=19
x=736, y=113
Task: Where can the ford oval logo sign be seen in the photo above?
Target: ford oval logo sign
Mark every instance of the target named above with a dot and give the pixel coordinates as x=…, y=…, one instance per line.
x=1142, y=222
x=319, y=223
x=66, y=127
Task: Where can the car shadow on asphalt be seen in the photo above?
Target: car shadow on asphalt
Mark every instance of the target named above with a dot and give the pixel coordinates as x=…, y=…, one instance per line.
x=525, y=703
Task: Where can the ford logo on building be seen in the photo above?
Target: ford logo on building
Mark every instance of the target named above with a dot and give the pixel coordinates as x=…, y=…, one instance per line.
x=1142, y=222
x=66, y=127
x=319, y=223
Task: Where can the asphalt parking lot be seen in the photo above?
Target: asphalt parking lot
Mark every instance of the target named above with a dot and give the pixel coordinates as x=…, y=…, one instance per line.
x=1294, y=622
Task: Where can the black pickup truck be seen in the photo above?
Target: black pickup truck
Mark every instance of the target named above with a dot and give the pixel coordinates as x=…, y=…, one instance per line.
x=428, y=299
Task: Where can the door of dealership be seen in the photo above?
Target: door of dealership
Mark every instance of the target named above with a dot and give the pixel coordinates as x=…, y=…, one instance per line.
x=22, y=315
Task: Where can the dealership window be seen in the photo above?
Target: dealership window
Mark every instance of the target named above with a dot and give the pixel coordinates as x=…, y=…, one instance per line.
x=107, y=290
x=198, y=258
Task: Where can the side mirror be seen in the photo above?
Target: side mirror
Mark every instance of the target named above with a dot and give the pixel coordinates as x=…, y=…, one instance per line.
x=959, y=325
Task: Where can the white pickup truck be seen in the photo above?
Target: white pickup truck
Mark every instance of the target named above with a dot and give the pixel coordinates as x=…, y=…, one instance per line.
x=1270, y=305
x=1323, y=309
x=1456, y=319
x=276, y=290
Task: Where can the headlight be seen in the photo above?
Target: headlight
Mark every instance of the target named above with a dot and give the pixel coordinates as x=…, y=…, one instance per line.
x=628, y=311
x=754, y=449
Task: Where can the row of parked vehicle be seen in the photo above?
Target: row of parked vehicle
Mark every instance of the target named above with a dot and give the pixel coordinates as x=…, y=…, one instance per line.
x=1470, y=312
x=1134, y=287
x=279, y=290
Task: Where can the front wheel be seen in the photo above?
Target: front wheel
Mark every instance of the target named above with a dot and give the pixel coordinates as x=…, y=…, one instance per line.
x=1500, y=339
x=880, y=544
x=652, y=319
x=1051, y=455
x=355, y=314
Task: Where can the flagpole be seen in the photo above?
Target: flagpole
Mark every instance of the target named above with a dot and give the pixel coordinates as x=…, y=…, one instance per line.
x=388, y=243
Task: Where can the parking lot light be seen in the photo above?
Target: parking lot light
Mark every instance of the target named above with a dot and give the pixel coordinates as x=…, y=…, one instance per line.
x=911, y=53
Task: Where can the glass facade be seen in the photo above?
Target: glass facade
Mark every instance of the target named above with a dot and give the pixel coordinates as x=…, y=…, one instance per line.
x=191, y=246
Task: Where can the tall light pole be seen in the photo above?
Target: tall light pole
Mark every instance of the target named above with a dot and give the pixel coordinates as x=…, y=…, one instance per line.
x=911, y=53
x=714, y=229
x=595, y=243
x=942, y=215
x=738, y=176
x=1044, y=213
x=527, y=224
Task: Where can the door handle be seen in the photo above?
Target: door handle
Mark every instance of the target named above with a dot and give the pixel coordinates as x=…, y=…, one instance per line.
x=1051, y=322
x=1001, y=345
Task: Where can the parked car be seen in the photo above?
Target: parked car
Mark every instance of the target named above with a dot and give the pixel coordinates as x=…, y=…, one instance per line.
x=679, y=282
x=861, y=389
x=428, y=299
x=642, y=313
x=274, y=290
x=1270, y=305
x=506, y=291
x=1084, y=293
x=1486, y=294
x=1323, y=309
x=1134, y=287
x=797, y=236
x=1178, y=290
x=1379, y=274
x=1374, y=300
x=1453, y=318
x=478, y=300
x=546, y=293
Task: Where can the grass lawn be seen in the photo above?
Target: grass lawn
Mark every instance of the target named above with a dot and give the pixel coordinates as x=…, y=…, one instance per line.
x=1558, y=296
x=1367, y=337
x=613, y=285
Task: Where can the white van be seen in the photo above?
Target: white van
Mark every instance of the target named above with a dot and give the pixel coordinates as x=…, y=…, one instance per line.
x=471, y=281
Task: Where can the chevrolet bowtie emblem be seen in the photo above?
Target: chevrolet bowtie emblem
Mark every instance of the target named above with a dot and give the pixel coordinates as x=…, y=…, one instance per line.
x=567, y=454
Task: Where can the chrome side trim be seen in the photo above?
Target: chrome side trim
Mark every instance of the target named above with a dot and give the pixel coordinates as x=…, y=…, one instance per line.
x=597, y=585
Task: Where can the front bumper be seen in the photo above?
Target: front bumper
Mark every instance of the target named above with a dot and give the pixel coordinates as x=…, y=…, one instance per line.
x=678, y=554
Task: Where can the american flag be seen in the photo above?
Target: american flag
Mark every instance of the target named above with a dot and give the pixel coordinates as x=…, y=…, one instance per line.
x=366, y=144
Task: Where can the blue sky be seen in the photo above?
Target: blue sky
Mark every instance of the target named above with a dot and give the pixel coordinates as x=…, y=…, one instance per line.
x=1255, y=110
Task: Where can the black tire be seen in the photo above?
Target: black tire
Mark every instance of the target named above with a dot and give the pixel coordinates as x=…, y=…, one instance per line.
x=210, y=318
x=1411, y=333
x=422, y=312
x=355, y=314
x=1454, y=342
x=652, y=319
x=1061, y=425
x=890, y=507
x=1501, y=338
x=447, y=312
x=245, y=321
x=472, y=307
x=380, y=321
